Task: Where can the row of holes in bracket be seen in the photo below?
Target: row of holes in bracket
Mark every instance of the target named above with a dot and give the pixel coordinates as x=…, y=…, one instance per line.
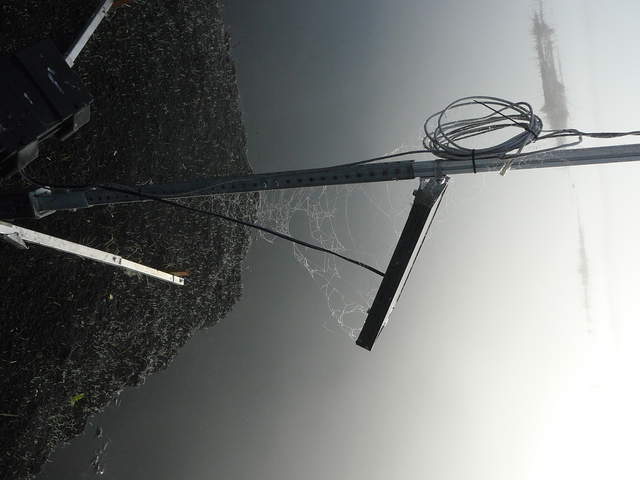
x=243, y=185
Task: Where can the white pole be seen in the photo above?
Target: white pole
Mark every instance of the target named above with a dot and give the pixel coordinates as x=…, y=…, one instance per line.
x=87, y=32
x=18, y=235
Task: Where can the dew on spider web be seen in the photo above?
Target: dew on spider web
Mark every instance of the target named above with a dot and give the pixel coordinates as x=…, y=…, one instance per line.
x=361, y=221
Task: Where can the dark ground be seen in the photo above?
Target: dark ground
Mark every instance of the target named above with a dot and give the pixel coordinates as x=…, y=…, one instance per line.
x=166, y=108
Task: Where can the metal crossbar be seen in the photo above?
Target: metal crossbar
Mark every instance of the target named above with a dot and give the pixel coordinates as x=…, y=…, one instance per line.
x=87, y=32
x=46, y=201
x=20, y=236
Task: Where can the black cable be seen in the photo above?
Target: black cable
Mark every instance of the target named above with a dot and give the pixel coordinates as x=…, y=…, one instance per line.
x=129, y=191
x=246, y=224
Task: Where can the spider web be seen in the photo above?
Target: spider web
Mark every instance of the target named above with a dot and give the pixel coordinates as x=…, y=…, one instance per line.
x=362, y=221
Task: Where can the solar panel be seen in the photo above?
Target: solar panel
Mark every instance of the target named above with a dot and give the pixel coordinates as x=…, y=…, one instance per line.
x=404, y=256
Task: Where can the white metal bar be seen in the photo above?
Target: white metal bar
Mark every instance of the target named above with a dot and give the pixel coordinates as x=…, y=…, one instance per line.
x=14, y=232
x=87, y=32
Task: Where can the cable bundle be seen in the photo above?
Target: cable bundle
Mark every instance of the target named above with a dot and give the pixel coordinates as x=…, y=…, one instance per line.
x=442, y=138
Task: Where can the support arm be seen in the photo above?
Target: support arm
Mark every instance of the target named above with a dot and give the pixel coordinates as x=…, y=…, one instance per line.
x=40, y=203
x=19, y=236
x=88, y=31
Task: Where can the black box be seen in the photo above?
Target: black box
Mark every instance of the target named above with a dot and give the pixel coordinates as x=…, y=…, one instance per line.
x=40, y=97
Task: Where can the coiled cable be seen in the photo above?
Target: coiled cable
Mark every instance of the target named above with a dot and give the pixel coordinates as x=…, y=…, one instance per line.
x=443, y=138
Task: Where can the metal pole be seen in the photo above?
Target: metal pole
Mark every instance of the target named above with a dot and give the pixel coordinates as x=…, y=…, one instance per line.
x=43, y=202
x=18, y=236
x=554, y=158
x=87, y=32
x=49, y=201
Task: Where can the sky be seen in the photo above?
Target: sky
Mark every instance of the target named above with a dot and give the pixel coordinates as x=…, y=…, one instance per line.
x=512, y=351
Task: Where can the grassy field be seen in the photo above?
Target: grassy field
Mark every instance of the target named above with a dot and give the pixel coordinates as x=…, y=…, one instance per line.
x=73, y=333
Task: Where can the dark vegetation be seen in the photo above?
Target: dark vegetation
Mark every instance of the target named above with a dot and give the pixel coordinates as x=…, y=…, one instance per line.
x=73, y=333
